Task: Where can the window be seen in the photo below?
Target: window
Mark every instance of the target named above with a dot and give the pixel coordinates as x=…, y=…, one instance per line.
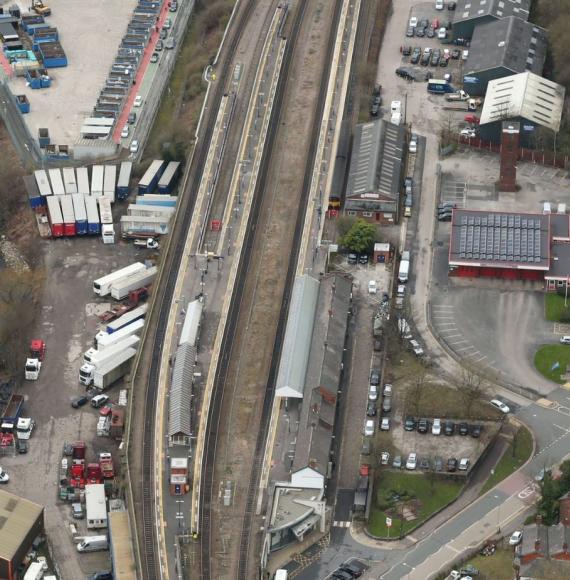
x=350, y=212
x=367, y=214
x=560, y=282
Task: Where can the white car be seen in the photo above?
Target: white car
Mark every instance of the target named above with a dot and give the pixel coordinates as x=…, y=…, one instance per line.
x=369, y=428
x=4, y=477
x=372, y=288
x=387, y=392
x=441, y=33
x=468, y=132
x=413, y=144
x=413, y=21
x=138, y=101
x=439, y=4
x=373, y=393
x=384, y=458
x=385, y=424
x=436, y=427
x=516, y=538
x=464, y=464
x=403, y=326
x=134, y=147
x=565, y=340
x=125, y=132
x=412, y=461
x=500, y=405
x=465, y=55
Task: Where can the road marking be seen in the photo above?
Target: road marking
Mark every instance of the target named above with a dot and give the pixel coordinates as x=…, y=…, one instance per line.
x=483, y=357
x=438, y=317
x=443, y=306
x=341, y=524
x=465, y=348
x=457, y=342
x=445, y=337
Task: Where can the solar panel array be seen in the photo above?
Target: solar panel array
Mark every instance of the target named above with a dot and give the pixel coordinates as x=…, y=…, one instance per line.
x=500, y=238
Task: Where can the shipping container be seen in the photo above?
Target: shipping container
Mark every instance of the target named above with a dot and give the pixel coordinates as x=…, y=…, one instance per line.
x=102, y=286
x=55, y=217
x=150, y=210
x=83, y=181
x=93, y=222
x=127, y=318
x=69, y=180
x=94, y=132
x=97, y=174
x=81, y=224
x=105, y=210
x=168, y=179
x=56, y=182
x=124, y=179
x=43, y=137
x=150, y=179
x=68, y=215
x=34, y=198
x=144, y=226
x=107, y=340
x=110, y=182
x=121, y=289
x=157, y=199
x=42, y=182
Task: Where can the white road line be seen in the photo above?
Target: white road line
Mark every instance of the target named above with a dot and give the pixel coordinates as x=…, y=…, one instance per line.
x=445, y=337
x=438, y=317
x=447, y=324
x=480, y=359
x=457, y=342
x=465, y=348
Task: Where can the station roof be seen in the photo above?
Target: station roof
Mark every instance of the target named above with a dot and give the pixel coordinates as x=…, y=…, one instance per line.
x=291, y=505
x=179, y=415
x=472, y=9
x=508, y=42
x=17, y=517
x=376, y=161
x=524, y=95
x=297, y=341
x=500, y=240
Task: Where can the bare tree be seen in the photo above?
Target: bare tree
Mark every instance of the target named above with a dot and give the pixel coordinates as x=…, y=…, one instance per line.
x=472, y=386
x=416, y=391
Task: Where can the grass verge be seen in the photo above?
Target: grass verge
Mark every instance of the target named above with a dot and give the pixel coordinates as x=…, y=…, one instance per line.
x=554, y=307
x=400, y=491
x=515, y=456
x=499, y=566
x=549, y=355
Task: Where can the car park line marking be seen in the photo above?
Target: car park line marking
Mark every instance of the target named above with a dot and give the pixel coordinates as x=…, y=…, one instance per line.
x=466, y=348
x=447, y=324
x=450, y=335
x=457, y=342
x=439, y=317
x=483, y=357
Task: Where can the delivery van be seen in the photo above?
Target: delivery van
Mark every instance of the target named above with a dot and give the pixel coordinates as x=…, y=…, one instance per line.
x=93, y=544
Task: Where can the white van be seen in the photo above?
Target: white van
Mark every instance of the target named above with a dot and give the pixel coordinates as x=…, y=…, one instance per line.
x=93, y=544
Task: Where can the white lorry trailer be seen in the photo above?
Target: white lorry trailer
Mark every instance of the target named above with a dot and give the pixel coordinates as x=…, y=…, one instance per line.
x=121, y=289
x=105, y=340
x=102, y=286
x=106, y=373
x=96, y=357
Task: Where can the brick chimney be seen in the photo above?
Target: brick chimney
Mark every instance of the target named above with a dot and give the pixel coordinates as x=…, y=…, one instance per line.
x=509, y=156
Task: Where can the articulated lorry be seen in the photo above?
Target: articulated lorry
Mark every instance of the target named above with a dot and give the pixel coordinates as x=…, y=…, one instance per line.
x=94, y=356
x=102, y=286
x=121, y=289
x=88, y=371
x=104, y=340
x=112, y=371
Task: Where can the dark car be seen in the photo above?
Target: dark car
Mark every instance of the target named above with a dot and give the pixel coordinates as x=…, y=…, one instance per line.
x=451, y=5
x=426, y=57
x=352, y=258
x=387, y=404
x=342, y=575
x=435, y=57
x=102, y=575
x=443, y=62
x=363, y=259
x=163, y=33
x=405, y=73
x=22, y=446
x=406, y=50
x=423, y=426
x=423, y=23
x=430, y=32
x=352, y=569
x=449, y=428
x=374, y=109
x=438, y=464
x=424, y=463
x=444, y=217
x=416, y=55
x=374, y=377
x=446, y=205
x=132, y=118
x=409, y=424
x=476, y=431
x=154, y=57
x=409, y=32
x=173, y=7
x=455, y=53
x=463, y=429
x=79, y=402
x=420, y=32
x=378, y=345
x=452, y=464
x=371, y=409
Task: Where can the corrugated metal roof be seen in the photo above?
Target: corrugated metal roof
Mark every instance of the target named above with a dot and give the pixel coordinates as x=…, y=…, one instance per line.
x=469, y=9
x=124, y=567
x=179, y=416
x=17, y=517
x=524, y=95
x=297, y=341
x=189, y=333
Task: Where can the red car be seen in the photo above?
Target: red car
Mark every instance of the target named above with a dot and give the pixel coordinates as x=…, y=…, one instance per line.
x=106, y=410
x=472, y=119
x=435, y=23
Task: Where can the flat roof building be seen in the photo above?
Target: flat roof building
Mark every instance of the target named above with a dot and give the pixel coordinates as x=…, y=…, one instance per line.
x=501, y=48
x=21, y=522
x=375, y=175
x=471, y=13
x=121, y=546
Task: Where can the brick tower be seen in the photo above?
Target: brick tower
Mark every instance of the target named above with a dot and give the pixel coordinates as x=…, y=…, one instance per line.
x=509, y=156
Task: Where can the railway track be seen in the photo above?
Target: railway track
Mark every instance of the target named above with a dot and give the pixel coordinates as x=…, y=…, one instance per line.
x=150, y=568
x=208, y=461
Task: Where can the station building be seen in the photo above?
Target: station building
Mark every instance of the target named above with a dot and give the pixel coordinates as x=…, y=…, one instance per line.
x=376, y=172
x=501, y=48
x=516, y=246
x=472, y=13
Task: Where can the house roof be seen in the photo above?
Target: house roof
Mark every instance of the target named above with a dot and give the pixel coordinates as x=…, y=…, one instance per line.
x=472, y=9
x=17, y=517
x=525, y=95
x=297, y=341
x=508, y=42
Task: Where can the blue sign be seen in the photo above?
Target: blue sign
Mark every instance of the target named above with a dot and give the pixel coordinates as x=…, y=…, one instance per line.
x=528, y=128
x=471, y=80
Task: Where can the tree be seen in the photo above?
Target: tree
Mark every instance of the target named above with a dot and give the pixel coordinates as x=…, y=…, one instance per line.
x=360, y=237
x=415, y=393
x=472, y=387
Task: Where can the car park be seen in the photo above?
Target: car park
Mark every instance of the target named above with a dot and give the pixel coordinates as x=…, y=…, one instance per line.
x=438, y=464
x=369, y=428
x=384, y=458
x=373, y=393
x=464, y=464
x=385, y=424
x=500, y=406
x=397, y=463
x=475, y=431
x=463, y=429
x=412, y=461
x=371, y=409
x=387, y=404
x=409, y=424
x=416, y=55
x=452, y=464
x=436, y=427
x=79, y=402
x=423, y=426
x=387, y=390
x=424, y=463
x=449, y=428
x=516, y=538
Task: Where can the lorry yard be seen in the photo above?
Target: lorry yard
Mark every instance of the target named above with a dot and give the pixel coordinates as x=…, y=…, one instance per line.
x=274, y=351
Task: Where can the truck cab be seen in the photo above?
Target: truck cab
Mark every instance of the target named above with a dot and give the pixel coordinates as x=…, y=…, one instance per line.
x=108, y=233
x=25, y=427
x=32, y=370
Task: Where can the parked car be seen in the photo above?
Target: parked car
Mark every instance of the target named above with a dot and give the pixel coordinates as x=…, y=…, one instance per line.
x=125, y=132
x=449, y=428
x=446, y=205
x=439, y=4
x=516, y=538
x=397, y=463
x=102, y=575
x=375, y=106
x=134, y=147
x=4, y=477
x=436, y=427
x=438, y=464
x=463, y=429
x=159, y=45
x=173, y=6
x=132, y=118
x=138, y=101
x=476, y=431
x=374, y=377
x=353, y=570
x=424, y=463
x=423, y=426
x=385, y=424
x=77, y=511
x=413, y=21
x=430, y=32
x=388, y=390
x=464, y=464
x=372, y=288
x=167, y=23
x=369, y=428
x=363, y=259
x=387, y=404
x=409, y=32
x=373, y=393
x=436, y=55
x=413, y=146
x=352, y=259
x=341, y=575
x=406, y=50
x=154, y=57
x=21, y=446
x=426, y=56
x=500, y=406
x=455, y=53
x=452, y=464
x=163, y=33
x=79, y=402
x=445, y=216
x=384, y=458
x=565, y=340
x=371, y=409
x=170, y=43
x=412, y=461
x=416, y=55
x=441, y=33
x=409, y=424
x=451, y=5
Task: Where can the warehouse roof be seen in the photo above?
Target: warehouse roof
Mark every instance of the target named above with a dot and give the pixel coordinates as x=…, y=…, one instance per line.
x=470, y=9
x=179, y=416
x=17, y=517
x=508, y=42
x=524, y=95
x=500, y=239
x=376, y=161
x=124, y=567
x=297, y=341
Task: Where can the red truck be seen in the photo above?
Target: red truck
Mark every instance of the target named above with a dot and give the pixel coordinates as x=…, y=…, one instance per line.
x=106, y=463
